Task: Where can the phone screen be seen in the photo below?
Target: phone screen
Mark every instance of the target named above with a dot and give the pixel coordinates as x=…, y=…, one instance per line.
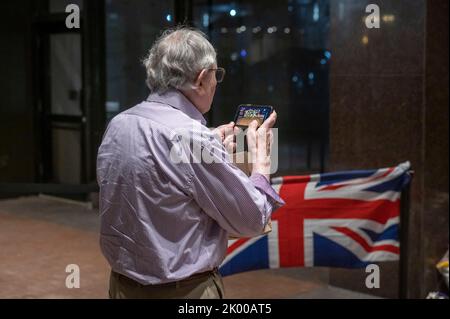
x=247, y=113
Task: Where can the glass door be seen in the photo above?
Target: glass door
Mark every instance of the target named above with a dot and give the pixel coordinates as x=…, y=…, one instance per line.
x=62, y=117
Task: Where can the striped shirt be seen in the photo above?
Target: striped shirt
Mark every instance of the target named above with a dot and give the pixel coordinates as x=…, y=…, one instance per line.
x=162, y=218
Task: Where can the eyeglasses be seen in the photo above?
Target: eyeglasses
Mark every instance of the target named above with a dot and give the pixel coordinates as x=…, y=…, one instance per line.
x=220, y=74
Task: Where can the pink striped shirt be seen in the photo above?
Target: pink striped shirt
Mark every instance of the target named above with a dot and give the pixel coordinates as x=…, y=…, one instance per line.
x=163, y=220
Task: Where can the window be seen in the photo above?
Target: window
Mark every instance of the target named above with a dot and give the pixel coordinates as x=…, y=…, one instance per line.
x=131, y=28
x=274, y=53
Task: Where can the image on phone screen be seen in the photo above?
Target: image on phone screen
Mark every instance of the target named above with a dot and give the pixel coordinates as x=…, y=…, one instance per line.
x=247, y=113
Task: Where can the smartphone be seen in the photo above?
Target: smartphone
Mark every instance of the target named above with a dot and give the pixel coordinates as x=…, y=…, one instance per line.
x=246, y=113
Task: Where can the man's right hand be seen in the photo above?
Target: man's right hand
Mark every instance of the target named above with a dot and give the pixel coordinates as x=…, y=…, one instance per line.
x=259, y=142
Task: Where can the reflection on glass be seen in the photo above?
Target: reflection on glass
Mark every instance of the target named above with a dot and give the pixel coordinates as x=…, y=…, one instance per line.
x=131, y=28
x=275, y=52
x=65, y=68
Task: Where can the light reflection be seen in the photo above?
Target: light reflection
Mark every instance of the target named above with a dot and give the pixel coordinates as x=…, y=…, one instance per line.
x=388, y=18
x=272, y=29
x=205, y=20
x=316, y=12
x=241, y=29
x=365, y=40
x=256, y=29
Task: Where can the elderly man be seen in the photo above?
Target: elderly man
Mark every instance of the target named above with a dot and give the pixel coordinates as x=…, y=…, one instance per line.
x=165, y=223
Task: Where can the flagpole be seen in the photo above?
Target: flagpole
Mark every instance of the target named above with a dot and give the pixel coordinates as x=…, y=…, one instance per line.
x=404, y=233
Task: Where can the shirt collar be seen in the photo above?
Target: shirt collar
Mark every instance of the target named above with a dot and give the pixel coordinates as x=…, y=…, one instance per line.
x=176, y=99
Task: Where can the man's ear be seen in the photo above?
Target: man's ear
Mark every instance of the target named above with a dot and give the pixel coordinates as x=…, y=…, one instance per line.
x=200, y=82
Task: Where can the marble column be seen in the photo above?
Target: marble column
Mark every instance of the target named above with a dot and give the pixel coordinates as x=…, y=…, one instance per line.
x=389, y=104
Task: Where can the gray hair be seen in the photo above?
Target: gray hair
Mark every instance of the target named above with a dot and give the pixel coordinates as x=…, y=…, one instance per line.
x=176, y=58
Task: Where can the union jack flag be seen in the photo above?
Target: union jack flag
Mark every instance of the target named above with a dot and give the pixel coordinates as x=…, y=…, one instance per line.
x=342, y=219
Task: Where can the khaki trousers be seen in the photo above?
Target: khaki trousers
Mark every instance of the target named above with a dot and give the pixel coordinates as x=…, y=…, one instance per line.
x=207, y=285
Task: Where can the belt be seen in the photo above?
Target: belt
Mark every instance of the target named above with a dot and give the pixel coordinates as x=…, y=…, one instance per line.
x=197, y=276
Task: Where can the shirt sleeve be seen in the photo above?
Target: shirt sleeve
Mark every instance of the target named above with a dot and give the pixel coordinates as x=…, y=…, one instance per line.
x=239, y=204
x=263, y=185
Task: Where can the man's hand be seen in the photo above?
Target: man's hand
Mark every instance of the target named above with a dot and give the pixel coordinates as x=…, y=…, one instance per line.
x=259, y=145
x=226, y=133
